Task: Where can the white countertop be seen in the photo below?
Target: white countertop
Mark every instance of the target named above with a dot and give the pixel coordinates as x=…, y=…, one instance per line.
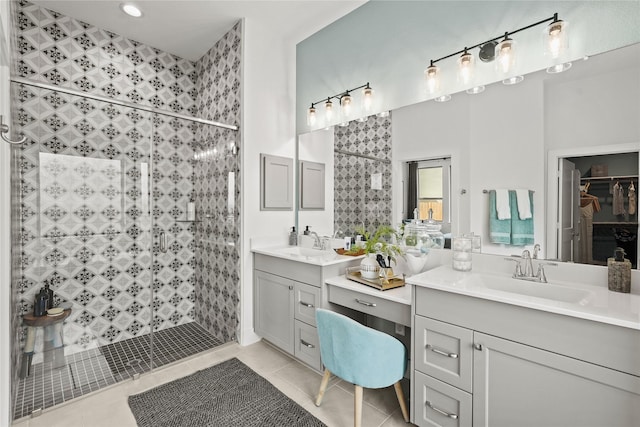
x=600, y=304
x=318, y=257
x=400, y=295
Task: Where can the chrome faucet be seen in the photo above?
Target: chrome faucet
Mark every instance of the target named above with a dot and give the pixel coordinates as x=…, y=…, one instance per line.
x=317, y=243
x=524, y=269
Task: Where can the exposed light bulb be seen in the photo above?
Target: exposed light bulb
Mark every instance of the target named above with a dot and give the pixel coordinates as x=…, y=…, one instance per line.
x=556, y=40
x=505, y=56
x=311, y=116
x=367, y=98
x=345, y=101
x=465, y=67
x=328, y=110
x=432, y=76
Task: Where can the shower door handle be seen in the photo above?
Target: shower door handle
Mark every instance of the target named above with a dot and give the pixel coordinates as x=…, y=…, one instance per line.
x=163, y=242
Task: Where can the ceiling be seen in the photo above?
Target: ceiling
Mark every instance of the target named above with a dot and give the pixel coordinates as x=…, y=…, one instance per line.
x=189, y=28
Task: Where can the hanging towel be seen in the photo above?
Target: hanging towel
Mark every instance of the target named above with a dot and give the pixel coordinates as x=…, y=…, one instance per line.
x=502, y=204
x=499, y=229
x=521, y=229
x=524, y=206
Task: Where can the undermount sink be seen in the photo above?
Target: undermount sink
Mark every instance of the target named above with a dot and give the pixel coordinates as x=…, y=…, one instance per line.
x=298, y=251
x=547, y=291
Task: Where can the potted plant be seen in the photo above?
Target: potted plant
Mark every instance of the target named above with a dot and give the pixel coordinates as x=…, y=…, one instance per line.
x=380, y=242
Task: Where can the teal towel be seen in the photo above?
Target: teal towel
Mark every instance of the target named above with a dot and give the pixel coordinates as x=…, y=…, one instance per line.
x=521, y=229
x=499, y=229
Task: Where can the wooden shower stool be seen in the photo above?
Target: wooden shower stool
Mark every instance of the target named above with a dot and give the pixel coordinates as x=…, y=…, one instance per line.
x=53, y=344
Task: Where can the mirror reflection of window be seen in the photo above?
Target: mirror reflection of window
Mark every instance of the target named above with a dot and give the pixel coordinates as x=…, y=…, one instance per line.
x=429, y=189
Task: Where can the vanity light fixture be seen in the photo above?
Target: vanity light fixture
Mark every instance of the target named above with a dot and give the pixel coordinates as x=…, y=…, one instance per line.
x=502, y=48
x=131, y=9
x=346, y=105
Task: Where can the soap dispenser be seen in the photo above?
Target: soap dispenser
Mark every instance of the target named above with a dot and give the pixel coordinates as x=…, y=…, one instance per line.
x=619, y=272
x=306, y=231
x=293, y=237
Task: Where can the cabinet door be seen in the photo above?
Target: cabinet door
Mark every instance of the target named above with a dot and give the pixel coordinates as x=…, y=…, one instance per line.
x=306, y=299
x=518, y=385
x=439, y=404
x=273, y=309
x=307, y=345
x=444, y=351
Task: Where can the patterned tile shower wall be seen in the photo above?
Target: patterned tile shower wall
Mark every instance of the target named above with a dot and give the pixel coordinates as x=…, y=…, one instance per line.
x=217, y=189
x=97, y=255
x=355, y=202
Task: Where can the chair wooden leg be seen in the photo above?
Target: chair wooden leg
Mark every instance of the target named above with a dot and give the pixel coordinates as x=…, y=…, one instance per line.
x=403, y=404
x=323, y=386
x=357, y=407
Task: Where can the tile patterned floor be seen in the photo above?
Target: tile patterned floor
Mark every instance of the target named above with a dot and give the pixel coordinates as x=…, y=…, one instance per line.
x=95, y=369
x=109, y=407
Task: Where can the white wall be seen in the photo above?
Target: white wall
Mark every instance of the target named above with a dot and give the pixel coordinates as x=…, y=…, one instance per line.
x=268, y=126
x=5, y=227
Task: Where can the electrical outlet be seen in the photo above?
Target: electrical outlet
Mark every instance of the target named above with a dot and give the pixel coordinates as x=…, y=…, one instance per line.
x=399, y=329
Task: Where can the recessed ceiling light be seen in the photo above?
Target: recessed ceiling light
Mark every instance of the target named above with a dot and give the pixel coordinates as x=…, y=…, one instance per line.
x=475, y=90
x=442, y=98
x=513, y=80
x=559, y=68
x=131, y=10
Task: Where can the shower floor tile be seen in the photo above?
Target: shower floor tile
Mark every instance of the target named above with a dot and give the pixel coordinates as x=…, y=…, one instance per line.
x=94, y=369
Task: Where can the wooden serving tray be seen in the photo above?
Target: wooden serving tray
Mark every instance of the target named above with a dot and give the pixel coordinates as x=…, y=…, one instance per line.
x=394, y=282
x=341, y=251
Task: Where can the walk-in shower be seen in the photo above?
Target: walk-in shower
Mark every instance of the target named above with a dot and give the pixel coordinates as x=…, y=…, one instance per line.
x=120, y=139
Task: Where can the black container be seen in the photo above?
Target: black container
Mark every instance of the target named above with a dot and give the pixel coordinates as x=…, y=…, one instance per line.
x=49, y=296
x=40, y=303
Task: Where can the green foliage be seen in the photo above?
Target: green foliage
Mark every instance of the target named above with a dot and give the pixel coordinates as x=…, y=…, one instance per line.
x=380, y=241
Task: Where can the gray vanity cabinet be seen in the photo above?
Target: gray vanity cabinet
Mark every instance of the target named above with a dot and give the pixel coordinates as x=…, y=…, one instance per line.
x=483, y=363
x=286, y=295
x=518, y=385
x=273, y=310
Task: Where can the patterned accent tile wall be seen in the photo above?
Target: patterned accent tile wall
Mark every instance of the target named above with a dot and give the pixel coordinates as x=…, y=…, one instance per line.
x=217, y=189
x=355, y=202
x=96, y=252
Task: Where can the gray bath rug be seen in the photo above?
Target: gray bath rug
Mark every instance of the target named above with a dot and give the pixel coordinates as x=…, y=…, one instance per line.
x=228, y=394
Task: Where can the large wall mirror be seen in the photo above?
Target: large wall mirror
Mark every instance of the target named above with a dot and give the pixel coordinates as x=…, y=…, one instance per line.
x=509, y=136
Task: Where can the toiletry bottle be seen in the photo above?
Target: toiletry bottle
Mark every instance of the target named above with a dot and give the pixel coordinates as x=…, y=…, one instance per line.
x=347, y=243
x=306, y=231
x=49, y=293
x=293, y=237
x=40, y=303
x=619, y=272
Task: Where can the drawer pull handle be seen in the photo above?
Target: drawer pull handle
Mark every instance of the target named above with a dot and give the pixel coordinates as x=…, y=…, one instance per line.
x=368, y=304
x=306, y=344
x=440, y=411
x=306, y=304
x=442, y=352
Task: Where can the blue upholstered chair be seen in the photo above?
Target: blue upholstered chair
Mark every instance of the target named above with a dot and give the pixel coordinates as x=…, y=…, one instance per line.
x=360, y=355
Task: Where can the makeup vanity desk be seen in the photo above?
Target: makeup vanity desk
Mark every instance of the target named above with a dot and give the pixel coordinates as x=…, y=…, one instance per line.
x=393, y=305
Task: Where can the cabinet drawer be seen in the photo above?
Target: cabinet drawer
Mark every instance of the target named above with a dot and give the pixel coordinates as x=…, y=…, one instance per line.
x=444, y=351
x=307, y=346
x=379, y=307
x=439, y=404
x=306, y=299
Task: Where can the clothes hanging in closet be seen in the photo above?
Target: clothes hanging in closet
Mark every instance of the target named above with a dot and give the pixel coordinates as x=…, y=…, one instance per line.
x=618, y=199
x=632, y=199
x=588, y=205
